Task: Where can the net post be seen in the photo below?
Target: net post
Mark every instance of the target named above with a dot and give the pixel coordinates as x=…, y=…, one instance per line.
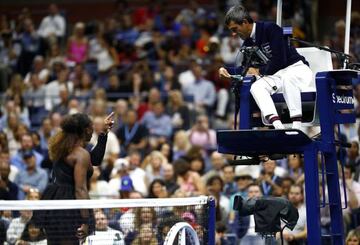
x=211, y=224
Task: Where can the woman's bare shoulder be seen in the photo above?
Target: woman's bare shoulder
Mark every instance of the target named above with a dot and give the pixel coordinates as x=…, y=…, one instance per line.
x=78, y=153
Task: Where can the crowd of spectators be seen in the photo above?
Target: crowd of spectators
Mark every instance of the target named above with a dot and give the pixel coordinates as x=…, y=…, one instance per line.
x=157, y=70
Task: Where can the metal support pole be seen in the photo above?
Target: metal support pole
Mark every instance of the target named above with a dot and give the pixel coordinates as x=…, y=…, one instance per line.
x=212, y=219
x=347, y=27
x=279, y=12
x=312, y=195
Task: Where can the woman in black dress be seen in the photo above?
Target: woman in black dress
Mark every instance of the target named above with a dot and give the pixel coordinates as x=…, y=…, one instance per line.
x=71, y=172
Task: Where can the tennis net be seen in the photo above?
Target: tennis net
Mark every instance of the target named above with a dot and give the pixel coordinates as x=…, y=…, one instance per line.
x=112, y=221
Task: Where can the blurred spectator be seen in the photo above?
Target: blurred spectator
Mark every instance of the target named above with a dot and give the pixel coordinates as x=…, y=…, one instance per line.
x=8, y=58
x=338, y=38
x=146, y=235
x=222, y=88
x=229, y=50
x=31, y=45
x=181, y=144
x=106, y=57
x=120, y=110
x=215, y=186
x=137, y=173
x=353, y=158
x=30, y=177
x=190, y=13
x=121, y=167
x=270, y=183
x=62, y=107
x=113, y=88
x=217, y=163
x=128, y=215
x=8, y=189
x=189, y=181
x=31, y=235
x=26, y=145
x=3, y=227
x=352, y=192
x=39, y=69
x=17, y=226
x=197, y=164
x=77, y=45
x=166, y=150
x=220, y=235
x=169, y=179
x=167, y=80
x=153, y=165
x=16, y=86
x=243, y=179
x=286, y=183
x=76, y=74
x=98, y=106
x=33, y=194
x=132, y=135
x=53, y=89
x=353, y=238
x=4, y=147
x=104, y=235
x=202, y=135
x=36, y=139
x=299, y=233
x=228, y=175
x=53, y=25
x=158, y=124
x=187, y=77
x=202, y=90
x=55, y=119
x=153, y=98
x=100, y=189
x=295, y=163
x=35, y=100
x=157, y=189
x=11, y=107
x=45, y=132
x=178, y=110
x=55, y=57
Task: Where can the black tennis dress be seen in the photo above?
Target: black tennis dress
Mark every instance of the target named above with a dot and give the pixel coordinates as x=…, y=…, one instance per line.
x=62, y=225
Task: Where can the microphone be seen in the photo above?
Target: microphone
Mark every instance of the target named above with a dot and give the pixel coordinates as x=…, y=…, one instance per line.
x=237, y=77
x=254, y=160
x=245, y=161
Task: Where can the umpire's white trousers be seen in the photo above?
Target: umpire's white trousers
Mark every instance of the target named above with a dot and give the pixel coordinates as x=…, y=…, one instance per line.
x=290, y=81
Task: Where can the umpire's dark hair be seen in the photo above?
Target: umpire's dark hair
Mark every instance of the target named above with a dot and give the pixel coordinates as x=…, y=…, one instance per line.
x=238, y=14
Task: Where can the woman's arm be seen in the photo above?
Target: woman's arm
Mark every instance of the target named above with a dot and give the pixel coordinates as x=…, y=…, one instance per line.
x=81, y=167
x=97, y=154
x=80, y=175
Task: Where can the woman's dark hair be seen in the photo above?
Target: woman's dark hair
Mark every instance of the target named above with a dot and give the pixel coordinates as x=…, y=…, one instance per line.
x=237, y=14
x=212, y=179
x=200, y=159
x=155, y=181
x=25, y=234
x=63, y=142
x=181, y=167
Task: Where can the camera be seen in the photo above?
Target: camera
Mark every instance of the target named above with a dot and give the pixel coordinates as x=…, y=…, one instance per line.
x=267, y=211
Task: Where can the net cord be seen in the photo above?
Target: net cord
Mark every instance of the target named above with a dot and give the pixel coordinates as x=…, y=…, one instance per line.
x=106, y=203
